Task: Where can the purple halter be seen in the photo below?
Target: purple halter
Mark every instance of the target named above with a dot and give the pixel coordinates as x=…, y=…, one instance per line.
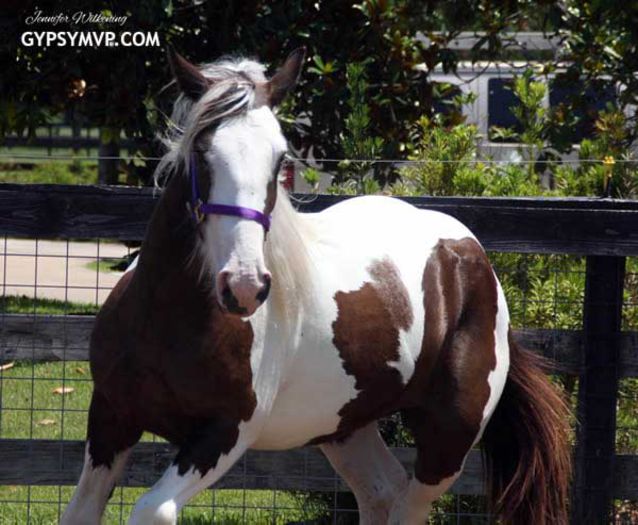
x=201, y=209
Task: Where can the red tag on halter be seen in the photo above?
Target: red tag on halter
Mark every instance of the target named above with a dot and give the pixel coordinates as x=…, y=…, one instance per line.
x=289, y=176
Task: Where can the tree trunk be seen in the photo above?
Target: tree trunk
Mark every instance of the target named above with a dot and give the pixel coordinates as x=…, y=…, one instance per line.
x=108, y=152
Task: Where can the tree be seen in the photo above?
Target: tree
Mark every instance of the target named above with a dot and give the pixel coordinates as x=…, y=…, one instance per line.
x=600, y=42
x=121, y=85
x=119, y=89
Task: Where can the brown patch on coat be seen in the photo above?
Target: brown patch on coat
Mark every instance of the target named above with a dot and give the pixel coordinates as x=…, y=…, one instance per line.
x=271, y=195
x=389, y=286
x=449, y=389
x=366, y=334
x=164, y=358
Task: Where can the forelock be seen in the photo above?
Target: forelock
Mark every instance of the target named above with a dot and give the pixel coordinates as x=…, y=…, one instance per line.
x=229, y=68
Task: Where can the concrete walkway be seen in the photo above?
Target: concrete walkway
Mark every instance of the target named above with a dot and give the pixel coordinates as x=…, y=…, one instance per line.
x=57, y=269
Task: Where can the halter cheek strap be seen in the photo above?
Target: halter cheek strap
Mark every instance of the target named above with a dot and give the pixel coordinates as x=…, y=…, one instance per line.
x=200, y=208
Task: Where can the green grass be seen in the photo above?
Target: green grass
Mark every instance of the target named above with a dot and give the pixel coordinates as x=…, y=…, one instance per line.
x=21, y=304
x=27, y=387
x=50, y=172
x=107, y=264
x=227, y=507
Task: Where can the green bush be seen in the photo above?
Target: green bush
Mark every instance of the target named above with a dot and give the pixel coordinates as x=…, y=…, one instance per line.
x=442, y=162
x=609, y=178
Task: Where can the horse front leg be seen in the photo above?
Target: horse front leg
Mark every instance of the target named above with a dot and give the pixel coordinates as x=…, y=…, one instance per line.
x=110, y=438
x=200, y=462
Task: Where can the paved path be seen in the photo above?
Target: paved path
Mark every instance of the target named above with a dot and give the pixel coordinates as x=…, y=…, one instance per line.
x=51, y=274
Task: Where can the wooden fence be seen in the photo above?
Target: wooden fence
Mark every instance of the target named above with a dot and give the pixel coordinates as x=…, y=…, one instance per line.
x=605, y=231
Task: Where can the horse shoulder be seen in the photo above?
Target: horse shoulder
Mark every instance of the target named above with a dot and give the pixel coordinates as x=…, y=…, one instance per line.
x=110, y=331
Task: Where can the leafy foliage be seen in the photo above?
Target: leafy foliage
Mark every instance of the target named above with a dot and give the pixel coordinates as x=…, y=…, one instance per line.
x=531, y=115
x=120, y=89
x=74, y=172
x=445, y=158
x=600, y=45
x=355, y=175
x=611, y=178
x=444, y=162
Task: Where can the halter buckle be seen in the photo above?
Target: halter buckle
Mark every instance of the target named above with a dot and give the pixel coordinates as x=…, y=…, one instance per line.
x=197, y=212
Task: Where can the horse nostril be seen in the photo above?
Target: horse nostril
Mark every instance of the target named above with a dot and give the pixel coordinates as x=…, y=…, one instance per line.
x=222, y=281
x=227, y=295
x=231, y=303
x=262, y=295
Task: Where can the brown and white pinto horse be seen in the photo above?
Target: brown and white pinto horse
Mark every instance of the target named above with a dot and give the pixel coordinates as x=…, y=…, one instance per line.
x=226, y=336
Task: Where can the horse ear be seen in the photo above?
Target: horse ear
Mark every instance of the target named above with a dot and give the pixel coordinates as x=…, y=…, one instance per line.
x=188, y=77
x=286, y=76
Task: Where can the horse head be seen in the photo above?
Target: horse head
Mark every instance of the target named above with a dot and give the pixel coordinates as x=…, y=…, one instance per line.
x=232, y=147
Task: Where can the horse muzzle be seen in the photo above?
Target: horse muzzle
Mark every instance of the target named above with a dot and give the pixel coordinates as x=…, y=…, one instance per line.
x=242, y=294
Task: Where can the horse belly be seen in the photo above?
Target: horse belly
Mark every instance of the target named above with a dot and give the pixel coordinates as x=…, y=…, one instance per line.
x=306, y=408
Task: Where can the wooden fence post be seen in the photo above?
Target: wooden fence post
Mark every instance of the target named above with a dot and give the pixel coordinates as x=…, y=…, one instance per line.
x=598, y=391
x=108, y=151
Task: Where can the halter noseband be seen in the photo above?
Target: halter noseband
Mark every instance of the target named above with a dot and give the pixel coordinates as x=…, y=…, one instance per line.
x=200, y=208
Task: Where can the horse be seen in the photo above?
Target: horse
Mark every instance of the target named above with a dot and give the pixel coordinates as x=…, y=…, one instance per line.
x=245, y=324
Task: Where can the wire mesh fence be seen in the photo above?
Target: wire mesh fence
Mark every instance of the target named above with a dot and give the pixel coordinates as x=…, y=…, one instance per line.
x=626, y=511
x=49, y=287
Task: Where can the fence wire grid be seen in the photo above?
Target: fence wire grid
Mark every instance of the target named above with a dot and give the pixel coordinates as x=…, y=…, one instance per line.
x=48, y=285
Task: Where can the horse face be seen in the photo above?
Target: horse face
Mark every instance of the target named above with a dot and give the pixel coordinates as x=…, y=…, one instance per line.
x=243, y=161
x=242, y=156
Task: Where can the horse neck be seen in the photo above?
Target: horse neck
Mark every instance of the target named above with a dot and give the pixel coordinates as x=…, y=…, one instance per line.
x=169, y=248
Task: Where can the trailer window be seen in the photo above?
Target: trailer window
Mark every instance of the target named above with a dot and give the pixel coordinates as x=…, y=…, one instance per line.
x=443, y=94
x=500, y=102
x=586, y=106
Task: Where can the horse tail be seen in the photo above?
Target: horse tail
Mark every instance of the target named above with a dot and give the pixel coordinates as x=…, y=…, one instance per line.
x=526, y=446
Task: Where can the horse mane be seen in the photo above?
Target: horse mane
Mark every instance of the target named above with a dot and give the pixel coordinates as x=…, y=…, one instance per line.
x=288, y=256
x=231, y=94
x=286, y=251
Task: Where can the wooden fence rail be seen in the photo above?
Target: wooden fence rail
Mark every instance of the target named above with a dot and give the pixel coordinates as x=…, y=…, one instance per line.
x=579, y=226
x=48, y=338
x=605, y=231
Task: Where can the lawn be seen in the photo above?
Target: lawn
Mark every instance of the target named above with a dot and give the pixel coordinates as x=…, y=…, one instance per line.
x=43, y=506
x=110, y=264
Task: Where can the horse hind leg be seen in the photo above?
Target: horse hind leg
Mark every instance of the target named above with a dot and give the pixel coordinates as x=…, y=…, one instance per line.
x=441, y=453
x=108, y=446
x=370, y=470
x=460, y=373
x=456, y=408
